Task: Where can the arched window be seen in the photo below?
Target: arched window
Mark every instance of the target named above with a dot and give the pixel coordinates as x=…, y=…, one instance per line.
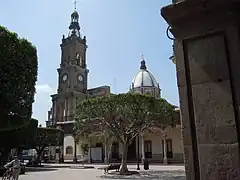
x=69, y=150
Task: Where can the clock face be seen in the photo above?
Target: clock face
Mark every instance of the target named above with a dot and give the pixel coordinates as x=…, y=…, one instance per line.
x=80, y=78
x=65, y=77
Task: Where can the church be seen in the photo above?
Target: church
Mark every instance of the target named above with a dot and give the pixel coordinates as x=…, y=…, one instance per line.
x=163, y=146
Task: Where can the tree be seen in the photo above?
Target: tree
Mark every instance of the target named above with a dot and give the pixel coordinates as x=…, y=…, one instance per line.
x=125, y=115
x=47, y=137
x=17, y=138
x=87, y=128
x=18, y=72
x=94, y=127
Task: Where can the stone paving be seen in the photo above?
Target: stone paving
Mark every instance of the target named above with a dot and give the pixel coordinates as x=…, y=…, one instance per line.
x=66, y=173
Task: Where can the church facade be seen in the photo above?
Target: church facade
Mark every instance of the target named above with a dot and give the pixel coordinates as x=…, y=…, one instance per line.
x=161, y=146
x=72, y=84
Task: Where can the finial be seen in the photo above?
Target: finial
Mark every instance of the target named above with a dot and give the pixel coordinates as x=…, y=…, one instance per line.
x=143, y=64
x=75, y=5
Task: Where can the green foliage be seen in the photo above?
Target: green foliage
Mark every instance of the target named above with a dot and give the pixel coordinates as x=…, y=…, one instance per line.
x=49, y=137
x=85, y=148
x=46, y=137
x=25, y=134
x=18, y=72
x=125, y=115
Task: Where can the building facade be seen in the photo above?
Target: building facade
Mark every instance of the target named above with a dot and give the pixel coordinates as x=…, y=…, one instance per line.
x=72, y=85
x=163, y=145
x=160, y=146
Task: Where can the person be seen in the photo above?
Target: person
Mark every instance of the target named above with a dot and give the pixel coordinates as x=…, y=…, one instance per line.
x=16, y=167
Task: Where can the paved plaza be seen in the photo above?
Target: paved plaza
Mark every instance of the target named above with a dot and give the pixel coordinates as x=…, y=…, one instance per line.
x=66, y=173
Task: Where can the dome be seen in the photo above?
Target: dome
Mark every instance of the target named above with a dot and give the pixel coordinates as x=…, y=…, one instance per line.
x=144, y=78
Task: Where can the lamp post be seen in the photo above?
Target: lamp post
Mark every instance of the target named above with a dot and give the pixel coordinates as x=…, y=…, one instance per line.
x=138, y=168
x=173, y=57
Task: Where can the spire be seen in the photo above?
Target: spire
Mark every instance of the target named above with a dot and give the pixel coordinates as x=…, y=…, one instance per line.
x=74, y=25
x=143, y=63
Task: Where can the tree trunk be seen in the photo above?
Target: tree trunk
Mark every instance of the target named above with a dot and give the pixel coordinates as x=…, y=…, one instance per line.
x=124, y=168
x=106, y=160
x=75, y=152
x=39, y=152
x=110, y=152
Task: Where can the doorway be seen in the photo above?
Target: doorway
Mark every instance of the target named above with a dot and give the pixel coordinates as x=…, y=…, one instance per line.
x=169, y=148
x=115, y=151
x=132, y=154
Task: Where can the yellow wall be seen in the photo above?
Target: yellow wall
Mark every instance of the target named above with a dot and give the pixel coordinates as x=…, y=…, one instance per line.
x=172, y=133
x=176, y=136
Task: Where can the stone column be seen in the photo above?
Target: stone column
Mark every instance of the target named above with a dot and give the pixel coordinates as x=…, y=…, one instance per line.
x=54, y=111
x=207, y=61
x=73, y=105
x=143, y=152
x=165, y=160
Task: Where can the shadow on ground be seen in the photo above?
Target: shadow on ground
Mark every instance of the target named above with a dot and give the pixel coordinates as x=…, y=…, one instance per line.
x=37, y=169
x=82, y=167
x=57, y=166
x=163, y=175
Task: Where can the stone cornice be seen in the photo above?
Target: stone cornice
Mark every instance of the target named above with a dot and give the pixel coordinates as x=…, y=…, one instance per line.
x=194, y=10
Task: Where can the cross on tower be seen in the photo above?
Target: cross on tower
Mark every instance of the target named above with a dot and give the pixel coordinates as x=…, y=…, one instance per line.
x=75, y=4
x=142, y=57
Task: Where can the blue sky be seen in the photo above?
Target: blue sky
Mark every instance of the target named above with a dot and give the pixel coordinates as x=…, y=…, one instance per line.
x=118, y=32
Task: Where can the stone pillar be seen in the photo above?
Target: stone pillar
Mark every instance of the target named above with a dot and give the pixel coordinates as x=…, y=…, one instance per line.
x=207, y=61
x=143, y=152
x=54, y=111
x=74, y=102
x=165, y=160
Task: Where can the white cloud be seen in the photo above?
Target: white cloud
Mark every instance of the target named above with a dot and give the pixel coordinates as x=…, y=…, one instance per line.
x=42, y=102
x=43, y=88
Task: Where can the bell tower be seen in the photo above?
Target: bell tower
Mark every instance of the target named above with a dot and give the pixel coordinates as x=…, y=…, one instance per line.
x=72, y=73
x=73, y=70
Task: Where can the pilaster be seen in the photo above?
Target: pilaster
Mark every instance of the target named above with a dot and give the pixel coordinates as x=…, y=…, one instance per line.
x=207, y=60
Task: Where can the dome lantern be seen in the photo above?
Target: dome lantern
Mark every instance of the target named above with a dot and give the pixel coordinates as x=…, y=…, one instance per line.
x=143, y=63
x=74, y=28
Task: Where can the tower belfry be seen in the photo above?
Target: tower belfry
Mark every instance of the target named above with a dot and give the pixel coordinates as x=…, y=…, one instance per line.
x=74, y=24
x=73, y=70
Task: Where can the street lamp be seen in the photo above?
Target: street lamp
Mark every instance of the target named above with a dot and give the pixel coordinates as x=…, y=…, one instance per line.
x=173, y=59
